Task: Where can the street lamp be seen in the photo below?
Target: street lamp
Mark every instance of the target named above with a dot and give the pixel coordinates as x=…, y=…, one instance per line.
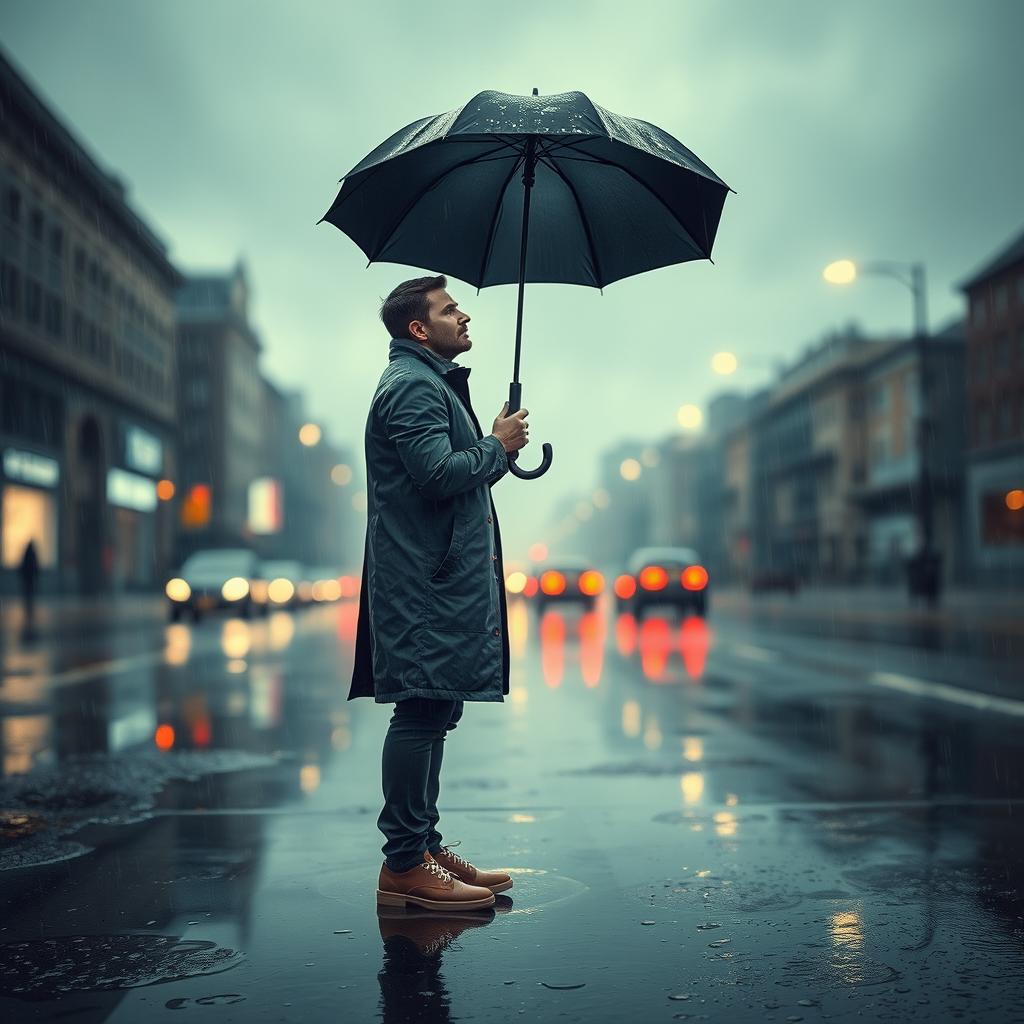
x=924, y=569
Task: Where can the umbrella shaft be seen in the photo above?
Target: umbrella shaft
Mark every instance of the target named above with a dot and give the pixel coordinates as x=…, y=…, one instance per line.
x=528, y=176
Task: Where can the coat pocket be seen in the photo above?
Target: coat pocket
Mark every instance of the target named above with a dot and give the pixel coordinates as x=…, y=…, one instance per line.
x=451, y=556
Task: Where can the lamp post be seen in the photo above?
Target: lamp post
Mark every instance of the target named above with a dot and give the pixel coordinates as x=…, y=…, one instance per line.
x=924, y=575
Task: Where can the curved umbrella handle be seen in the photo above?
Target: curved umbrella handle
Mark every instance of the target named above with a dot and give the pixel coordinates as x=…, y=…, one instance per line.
x=515, y=393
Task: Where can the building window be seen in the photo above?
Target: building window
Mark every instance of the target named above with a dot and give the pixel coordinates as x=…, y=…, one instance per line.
x=984, y=426
x=54, y=316
x=12, y=206
x=980, y=363
x=1002, y=352
x=33, y=301
x=978, y=310
x=1001, y=299
x=10, y=290
x=35, y=225
x=1000, y=525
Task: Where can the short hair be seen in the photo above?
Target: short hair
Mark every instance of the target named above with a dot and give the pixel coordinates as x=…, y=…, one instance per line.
x=408, y=302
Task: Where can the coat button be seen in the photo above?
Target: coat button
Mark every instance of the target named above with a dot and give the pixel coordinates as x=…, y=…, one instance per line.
x=497, y=632
x=489, y=519
x=494, y=558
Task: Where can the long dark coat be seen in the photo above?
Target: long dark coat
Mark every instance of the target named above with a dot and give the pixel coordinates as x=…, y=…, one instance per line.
x=433, y=620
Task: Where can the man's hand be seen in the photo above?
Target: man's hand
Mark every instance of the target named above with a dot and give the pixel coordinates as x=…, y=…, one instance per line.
x=512, y=431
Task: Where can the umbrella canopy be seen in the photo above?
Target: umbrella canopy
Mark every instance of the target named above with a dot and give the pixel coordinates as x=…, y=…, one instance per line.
x=612, y=196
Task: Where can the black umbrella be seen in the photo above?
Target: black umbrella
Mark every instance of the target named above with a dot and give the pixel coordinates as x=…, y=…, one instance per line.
x=611, y=197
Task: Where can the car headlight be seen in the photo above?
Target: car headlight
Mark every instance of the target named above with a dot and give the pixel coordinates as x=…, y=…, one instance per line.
x=235, y=588
x=178, y=590
x=281, y=590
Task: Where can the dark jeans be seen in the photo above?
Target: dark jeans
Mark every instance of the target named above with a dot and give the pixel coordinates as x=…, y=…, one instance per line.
x=411, y=778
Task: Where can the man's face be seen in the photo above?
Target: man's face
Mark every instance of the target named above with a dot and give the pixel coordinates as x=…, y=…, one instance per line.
x=446, y=328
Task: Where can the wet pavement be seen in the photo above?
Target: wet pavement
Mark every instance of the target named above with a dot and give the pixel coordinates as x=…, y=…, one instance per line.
x=761, y=817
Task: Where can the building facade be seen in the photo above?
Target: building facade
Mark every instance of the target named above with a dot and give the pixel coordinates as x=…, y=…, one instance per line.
x=88, y=411
x=995, y=410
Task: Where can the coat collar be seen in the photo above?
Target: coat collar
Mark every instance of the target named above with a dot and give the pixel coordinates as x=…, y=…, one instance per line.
x=445, y=367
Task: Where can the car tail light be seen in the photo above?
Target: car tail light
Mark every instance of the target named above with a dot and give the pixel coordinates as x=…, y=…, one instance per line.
x=591, y=583
x=694, y=577
x=552, y=583
x=653, y=577
x=625, y=587
x=530, y=587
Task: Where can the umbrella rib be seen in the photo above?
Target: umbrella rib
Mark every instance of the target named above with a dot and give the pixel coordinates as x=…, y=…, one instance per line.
x=494, y=221
x=643, y=184
x=419, y=195
x=583, y=218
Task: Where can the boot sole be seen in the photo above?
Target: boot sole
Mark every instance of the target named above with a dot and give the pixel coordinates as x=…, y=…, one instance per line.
x=398, y=899
x=501, y=886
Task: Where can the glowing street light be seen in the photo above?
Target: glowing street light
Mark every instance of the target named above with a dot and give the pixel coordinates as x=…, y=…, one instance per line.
x=690, y=417
x=840, y=272
x=724, y=363
x=601, y=498
x=341, y=474
x=630, y=469
x=310, y=434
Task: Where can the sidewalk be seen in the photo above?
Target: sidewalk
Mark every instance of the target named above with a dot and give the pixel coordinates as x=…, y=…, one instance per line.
x=992, y=609
x=56, y=615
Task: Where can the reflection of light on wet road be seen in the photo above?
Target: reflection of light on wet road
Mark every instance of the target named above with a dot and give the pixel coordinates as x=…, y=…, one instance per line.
x=309, y=777
x=592, y=635
x=693, y=748
x=692, y=785
x=655, y=643
x=726, y=823
x=694, y=641
x=281, y=629
x=518, y=627
x=177, y=644
x=519, y=695
x=265, y=705
x=625, y=635
x=236, y=666
x=652, y=733
x=521, y=819
x=631, y=718
x=24, y=738
x=731, y=800
x=552, y=648
x=348, y=622
x=235, y=639
x=341, y=738
x=164, y=736
x=847, y=930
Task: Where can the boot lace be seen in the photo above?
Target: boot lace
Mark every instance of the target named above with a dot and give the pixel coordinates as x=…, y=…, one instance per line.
x=454, y=856
x=435, y=869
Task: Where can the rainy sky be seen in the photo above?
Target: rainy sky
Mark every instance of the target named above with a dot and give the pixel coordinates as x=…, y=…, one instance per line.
x=875, y=130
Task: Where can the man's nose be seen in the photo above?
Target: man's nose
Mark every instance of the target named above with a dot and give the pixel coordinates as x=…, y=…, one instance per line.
x=465, y=319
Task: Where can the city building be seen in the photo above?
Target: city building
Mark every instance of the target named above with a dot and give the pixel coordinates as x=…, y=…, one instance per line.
x=893, y=497
x=221, y=397
x=995, y=409
x=87, y=371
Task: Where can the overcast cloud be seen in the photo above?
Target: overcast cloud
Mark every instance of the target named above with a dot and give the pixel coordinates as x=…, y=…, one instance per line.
x=871, y=130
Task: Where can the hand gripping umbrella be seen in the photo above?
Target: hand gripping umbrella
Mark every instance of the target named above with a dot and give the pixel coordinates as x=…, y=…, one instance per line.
x=609, y=197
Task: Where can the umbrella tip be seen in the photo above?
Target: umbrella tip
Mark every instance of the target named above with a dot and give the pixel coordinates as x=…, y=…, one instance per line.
x=535, y=93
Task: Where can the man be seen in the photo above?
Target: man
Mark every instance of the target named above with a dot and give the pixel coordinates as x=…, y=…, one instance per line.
x=432, y=617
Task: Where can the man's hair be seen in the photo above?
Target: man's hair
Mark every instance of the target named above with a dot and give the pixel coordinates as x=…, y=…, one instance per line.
x=408, y=302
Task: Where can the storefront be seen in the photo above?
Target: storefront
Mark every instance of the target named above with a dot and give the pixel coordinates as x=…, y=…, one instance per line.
x=132, y=496
x=28, y=512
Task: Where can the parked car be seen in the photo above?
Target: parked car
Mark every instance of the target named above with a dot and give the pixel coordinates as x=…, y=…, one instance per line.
x=279, y=583
x=210, y=579
x=569, y=579
x=672, y=576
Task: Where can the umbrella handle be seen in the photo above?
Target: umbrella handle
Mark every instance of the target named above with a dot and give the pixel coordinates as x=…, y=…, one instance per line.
x=515, y=391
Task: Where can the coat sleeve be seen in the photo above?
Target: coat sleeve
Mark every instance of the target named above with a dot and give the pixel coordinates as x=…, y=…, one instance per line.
x=415, y=419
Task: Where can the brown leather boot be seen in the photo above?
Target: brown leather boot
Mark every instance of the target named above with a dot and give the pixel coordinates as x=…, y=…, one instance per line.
x=430, y=885
x=496, y=881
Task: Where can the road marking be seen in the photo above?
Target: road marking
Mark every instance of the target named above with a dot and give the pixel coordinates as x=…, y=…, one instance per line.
x=940, y=691
x=752, y=653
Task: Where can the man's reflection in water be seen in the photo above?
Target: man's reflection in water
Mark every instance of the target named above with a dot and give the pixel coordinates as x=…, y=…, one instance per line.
x=411, y=984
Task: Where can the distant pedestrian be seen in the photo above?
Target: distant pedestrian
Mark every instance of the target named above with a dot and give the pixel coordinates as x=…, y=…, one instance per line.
x=432, y=615
x=29, y=572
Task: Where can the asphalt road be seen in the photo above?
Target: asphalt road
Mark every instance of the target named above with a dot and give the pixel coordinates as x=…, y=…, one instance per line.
x=757, y=817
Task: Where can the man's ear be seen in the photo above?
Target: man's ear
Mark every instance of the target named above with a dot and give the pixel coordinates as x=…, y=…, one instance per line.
x=417, y=330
